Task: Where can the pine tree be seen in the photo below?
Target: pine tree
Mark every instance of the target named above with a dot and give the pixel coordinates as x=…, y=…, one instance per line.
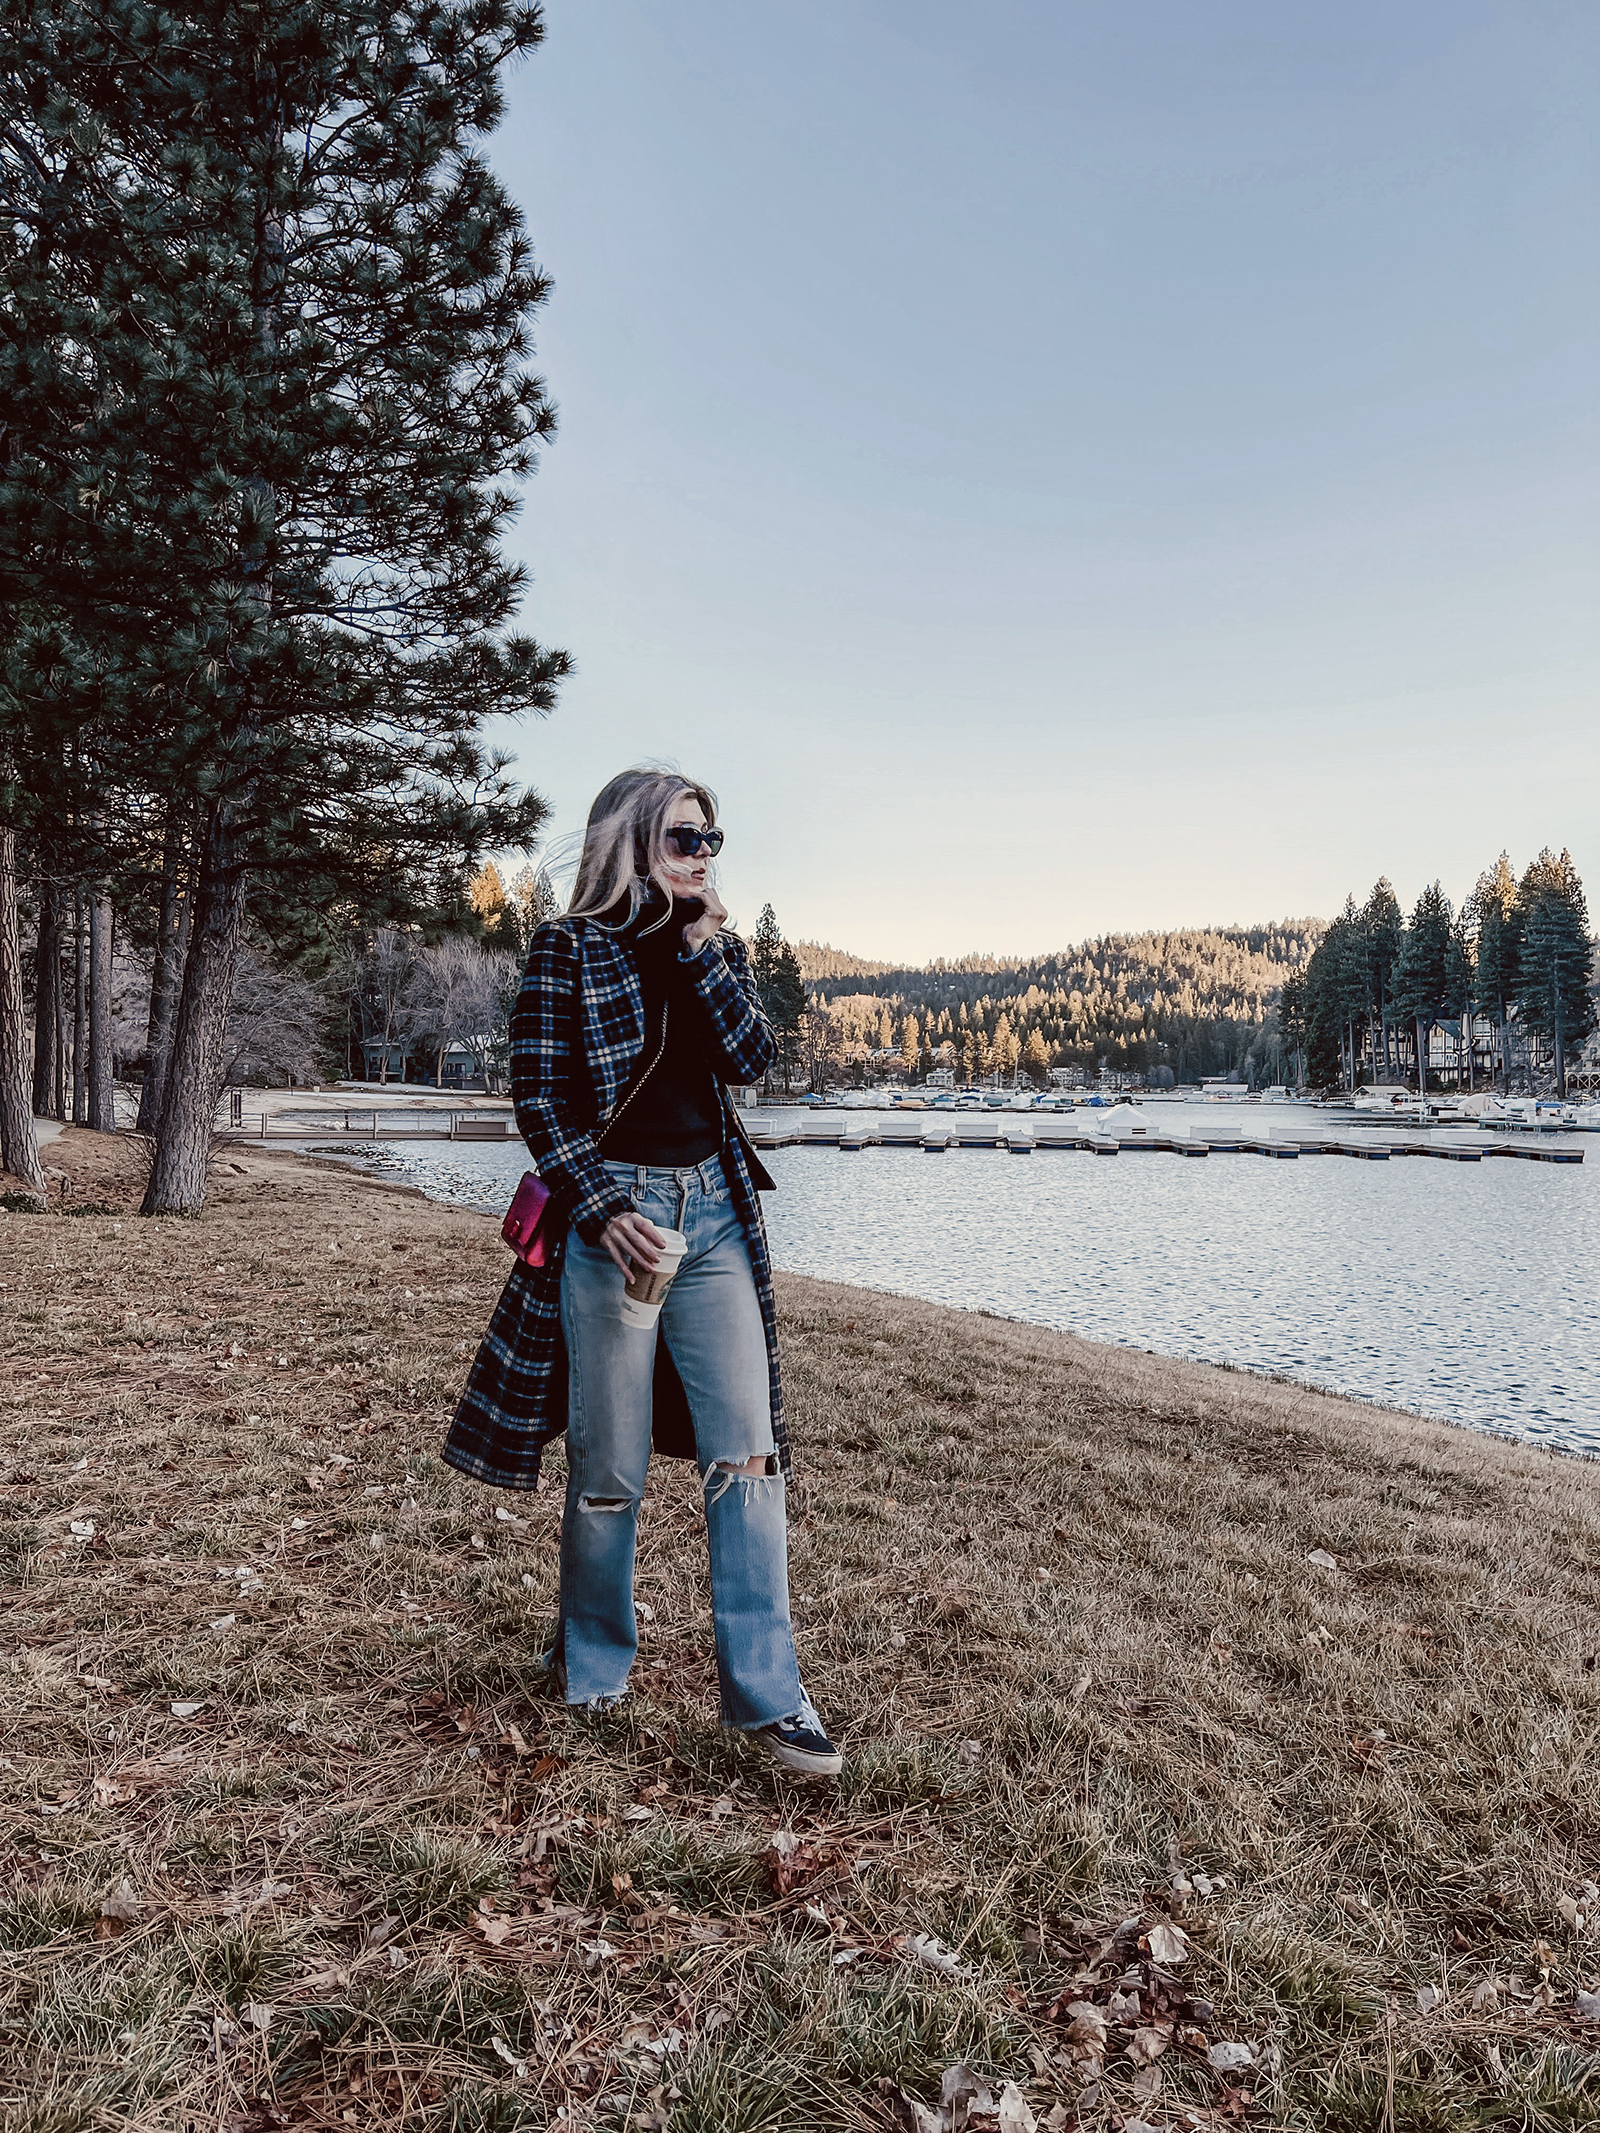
x=787, y=1006
x=910, y=1046
x=1422, y=975
x=1495, y=919
x=1460, y=986
x=1383, y=927
x=258, y=480
x=492, y=907
x=766, y=945
x=1557, y=957
x=534, y=901
x=1292, y=1022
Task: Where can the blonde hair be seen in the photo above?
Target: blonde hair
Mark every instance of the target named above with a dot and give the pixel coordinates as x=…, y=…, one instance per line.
x=624, y=840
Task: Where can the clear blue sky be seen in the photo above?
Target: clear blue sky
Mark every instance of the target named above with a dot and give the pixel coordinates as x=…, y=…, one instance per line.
x=1058, y=468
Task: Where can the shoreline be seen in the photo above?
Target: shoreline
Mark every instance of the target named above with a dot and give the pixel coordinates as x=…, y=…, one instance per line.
x=372, y=1166
x=1274, y=1703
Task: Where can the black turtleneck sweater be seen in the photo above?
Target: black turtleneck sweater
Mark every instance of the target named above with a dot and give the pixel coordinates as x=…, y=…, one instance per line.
x=675, y=1118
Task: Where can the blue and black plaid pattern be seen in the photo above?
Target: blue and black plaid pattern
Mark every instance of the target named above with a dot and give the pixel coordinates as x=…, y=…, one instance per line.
x=577, y=1033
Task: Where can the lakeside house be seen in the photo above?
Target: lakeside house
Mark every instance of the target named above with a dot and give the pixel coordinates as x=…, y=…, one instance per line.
x=463, y=1067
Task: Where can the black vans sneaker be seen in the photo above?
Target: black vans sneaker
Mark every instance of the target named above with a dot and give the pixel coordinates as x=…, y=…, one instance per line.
x=800, y=1744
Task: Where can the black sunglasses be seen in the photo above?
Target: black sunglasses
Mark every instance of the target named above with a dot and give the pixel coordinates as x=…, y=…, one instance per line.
x=691, y=842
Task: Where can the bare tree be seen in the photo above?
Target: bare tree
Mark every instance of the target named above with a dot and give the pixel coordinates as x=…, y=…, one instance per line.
x=492, y=1038
x=379, y=980
x=276, y=1022
x=451, y=996
x=821, y=1047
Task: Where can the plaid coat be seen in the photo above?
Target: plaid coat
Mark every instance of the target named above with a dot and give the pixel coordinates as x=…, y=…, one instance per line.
x=577, y=1035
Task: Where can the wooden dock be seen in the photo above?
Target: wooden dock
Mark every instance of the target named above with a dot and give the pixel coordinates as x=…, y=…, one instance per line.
x=364, y=1123
x=1056, y=1135
x=1005, y=1133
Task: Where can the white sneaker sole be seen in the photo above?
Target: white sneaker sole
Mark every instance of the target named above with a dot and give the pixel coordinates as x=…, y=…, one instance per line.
x=800, y=1761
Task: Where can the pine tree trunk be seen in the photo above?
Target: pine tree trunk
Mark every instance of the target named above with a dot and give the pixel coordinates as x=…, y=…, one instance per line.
x=1422, y=1060
x=19, y=1146
x=59, y=1108
x=47, y=1006
x=80, y=1014
x=1559, y=1035
x=198, y=1065
x=102, y=1104
x=172, y=944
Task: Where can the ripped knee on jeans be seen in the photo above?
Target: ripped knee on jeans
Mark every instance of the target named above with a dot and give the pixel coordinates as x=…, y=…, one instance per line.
x=605, y=1503
x=722, y=1474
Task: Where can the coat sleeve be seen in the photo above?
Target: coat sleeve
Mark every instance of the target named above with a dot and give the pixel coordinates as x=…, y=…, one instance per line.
x=550, y=1089
x=742, y=1043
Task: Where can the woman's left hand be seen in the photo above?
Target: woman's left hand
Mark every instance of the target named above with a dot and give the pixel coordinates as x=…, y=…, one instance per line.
x=713, y=915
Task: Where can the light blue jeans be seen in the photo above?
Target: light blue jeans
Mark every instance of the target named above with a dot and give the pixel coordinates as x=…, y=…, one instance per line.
x=711, y=1322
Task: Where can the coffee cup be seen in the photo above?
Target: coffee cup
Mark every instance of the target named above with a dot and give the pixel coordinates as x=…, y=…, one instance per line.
x=646, y=1289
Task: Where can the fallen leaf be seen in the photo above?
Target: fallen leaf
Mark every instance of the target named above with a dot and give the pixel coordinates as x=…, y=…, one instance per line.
x=1168, y=1945
x=1573, y=1912
x=928, y=1949
x=922, y=2119
x=1145, y=2046
x=1428, y=1998
x=1011, y=2112
x=123, y=1903
x=519, y=2067
x=1322, y=1559
x=1486, y=1997
x=258, y=2013
x=187, y=1710
x=960, y=2089
x=1087, y=2023
x=1588, y=2005
x=219, y=1628
x=495, y=1929
x=1230, y=2058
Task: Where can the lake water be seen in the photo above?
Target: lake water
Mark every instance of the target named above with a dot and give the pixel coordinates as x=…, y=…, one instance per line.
x=1470, y=1292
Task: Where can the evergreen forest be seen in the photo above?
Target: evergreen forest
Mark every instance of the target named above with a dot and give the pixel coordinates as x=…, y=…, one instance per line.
x=1184, y=1004
x=1501, y=992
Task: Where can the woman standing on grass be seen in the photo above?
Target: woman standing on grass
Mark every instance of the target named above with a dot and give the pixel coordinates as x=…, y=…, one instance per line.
x=636, y=1011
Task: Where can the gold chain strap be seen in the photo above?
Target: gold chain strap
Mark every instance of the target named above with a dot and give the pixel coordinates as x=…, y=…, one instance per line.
x=616, y=1113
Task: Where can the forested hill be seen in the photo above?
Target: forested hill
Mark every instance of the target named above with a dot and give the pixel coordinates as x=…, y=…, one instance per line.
x=1198, y=998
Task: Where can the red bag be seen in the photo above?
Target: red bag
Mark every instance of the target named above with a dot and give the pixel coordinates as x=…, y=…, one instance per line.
x=525, y=1228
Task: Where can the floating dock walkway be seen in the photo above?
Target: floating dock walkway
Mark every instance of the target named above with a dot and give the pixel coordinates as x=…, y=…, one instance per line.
x=1006, y=1133
x=1058, y=1134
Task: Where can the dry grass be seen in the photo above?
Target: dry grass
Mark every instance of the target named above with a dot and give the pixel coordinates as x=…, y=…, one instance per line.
x=1055, y=1597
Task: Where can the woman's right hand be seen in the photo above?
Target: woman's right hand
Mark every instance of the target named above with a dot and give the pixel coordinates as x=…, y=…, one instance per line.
x=632, y=1242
